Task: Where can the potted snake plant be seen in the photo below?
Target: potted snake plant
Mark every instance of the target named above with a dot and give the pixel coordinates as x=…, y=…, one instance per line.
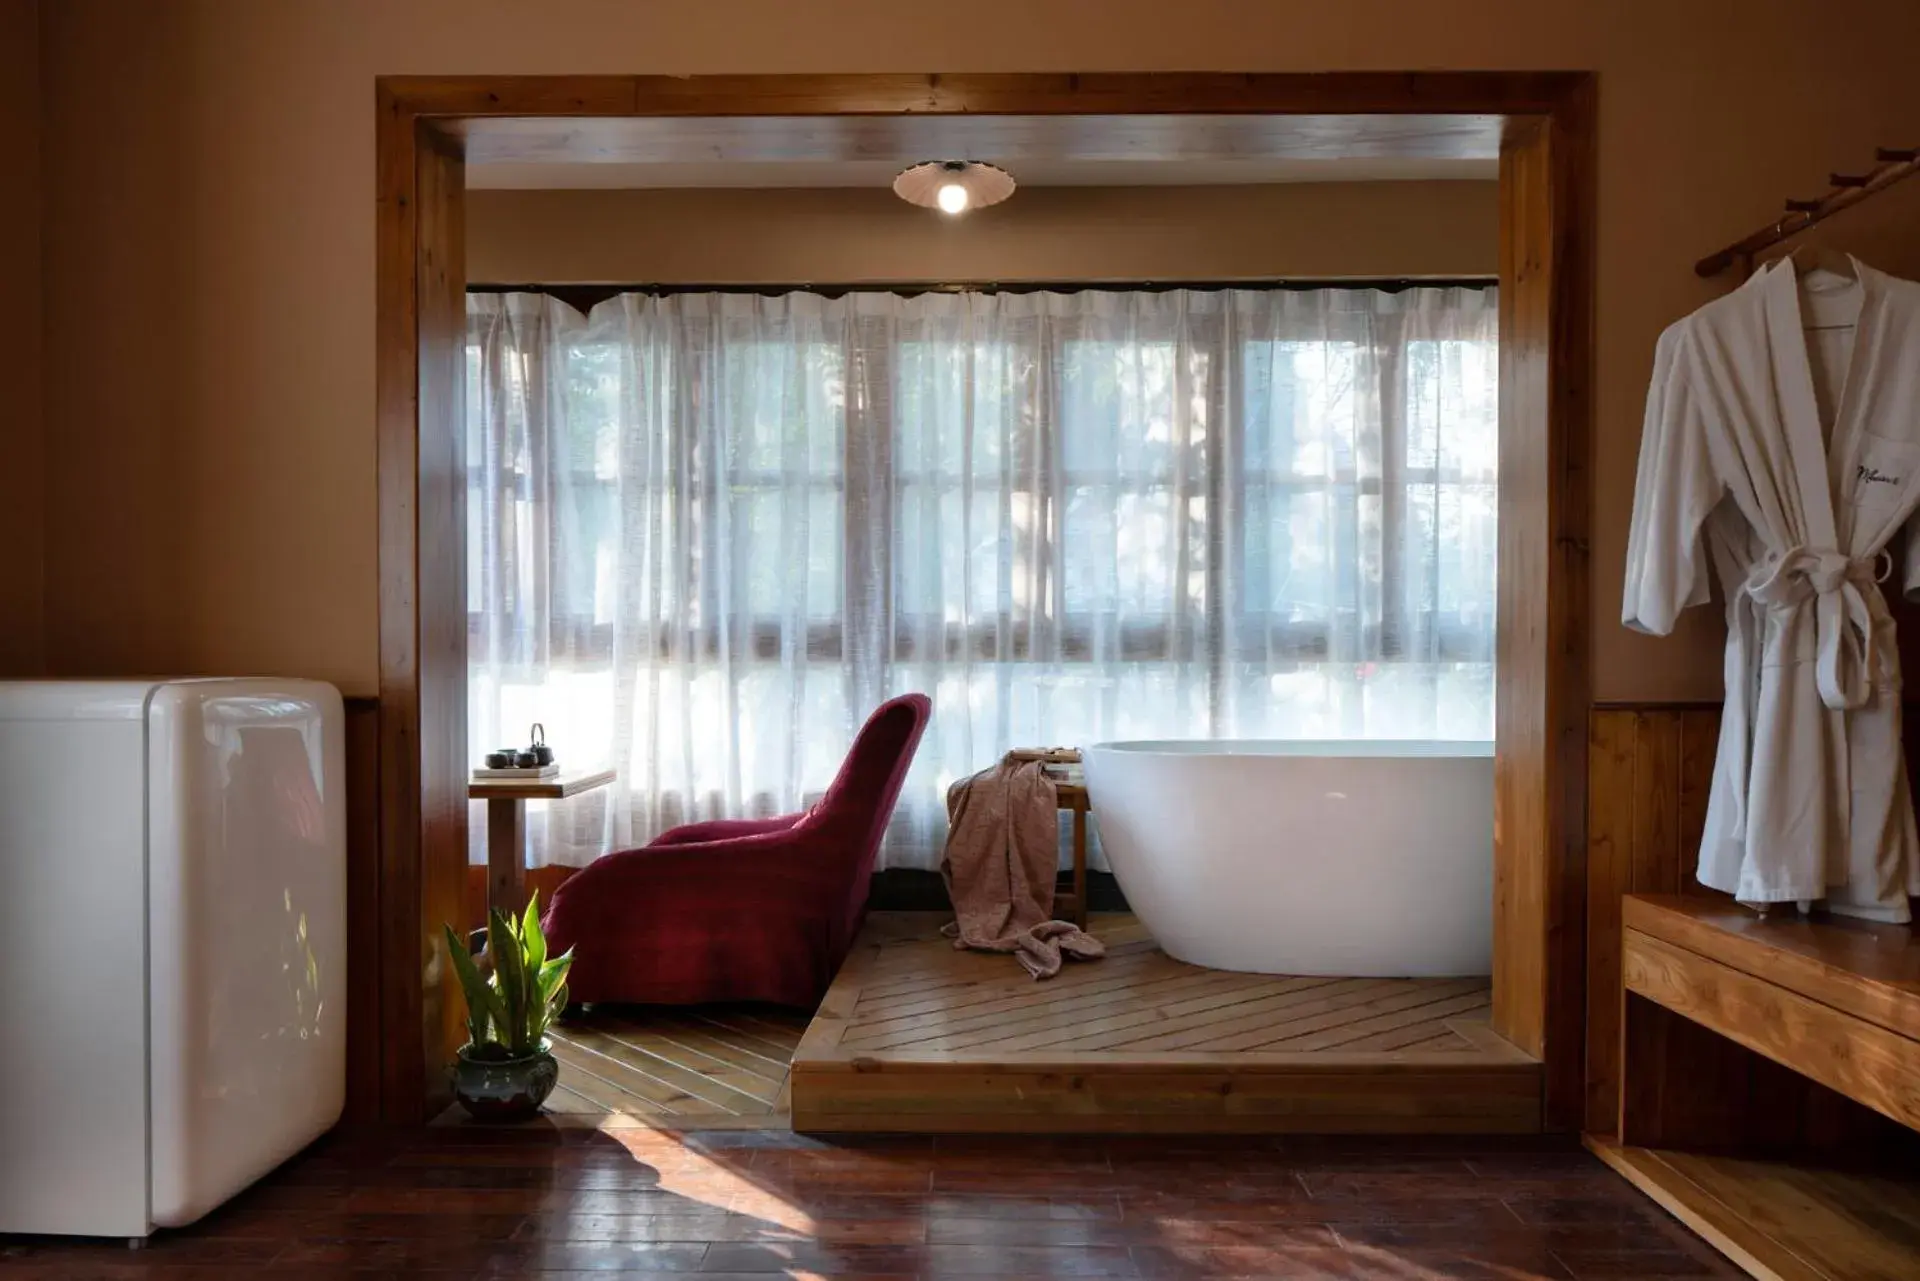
x=506, y=1070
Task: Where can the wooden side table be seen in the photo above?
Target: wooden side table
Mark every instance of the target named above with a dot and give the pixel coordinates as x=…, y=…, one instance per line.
x=1070, y=792
x=506, y=800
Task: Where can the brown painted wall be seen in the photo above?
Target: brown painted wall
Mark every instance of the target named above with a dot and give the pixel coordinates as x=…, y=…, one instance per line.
x=1044, y=233
x=210, y=362
x=22, y=453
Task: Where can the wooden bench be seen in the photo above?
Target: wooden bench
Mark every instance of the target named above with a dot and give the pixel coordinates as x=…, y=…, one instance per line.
x=1770, y=1085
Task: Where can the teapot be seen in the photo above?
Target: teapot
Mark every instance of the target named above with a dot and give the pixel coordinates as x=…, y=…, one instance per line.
x=536, y=755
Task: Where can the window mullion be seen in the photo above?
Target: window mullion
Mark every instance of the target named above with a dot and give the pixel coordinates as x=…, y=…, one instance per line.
x=867, y=628
x=1389, y=335
x=1223, y=545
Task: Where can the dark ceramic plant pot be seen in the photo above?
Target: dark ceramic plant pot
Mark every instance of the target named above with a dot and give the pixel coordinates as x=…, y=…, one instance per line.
x=504, y=1089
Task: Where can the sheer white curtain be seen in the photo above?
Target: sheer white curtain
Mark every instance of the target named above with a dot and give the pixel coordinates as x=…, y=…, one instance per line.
x=709, y=532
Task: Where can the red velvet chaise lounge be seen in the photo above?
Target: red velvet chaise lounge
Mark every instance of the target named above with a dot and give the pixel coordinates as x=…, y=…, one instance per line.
x=742, y=909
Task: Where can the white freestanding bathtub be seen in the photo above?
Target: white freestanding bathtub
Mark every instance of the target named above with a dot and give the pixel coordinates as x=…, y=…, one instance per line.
x=1362, y=859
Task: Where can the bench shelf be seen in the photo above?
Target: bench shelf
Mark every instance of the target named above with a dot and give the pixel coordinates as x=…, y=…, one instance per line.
x=1770, y=1085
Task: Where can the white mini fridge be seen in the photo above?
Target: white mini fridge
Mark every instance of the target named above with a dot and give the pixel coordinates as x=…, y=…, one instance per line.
x=172, y=944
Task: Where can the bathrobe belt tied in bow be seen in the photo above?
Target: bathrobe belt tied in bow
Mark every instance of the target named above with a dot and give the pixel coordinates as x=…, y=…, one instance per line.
x=1846, y=599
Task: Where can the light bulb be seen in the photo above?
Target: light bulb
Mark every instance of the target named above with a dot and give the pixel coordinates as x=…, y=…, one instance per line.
x=952, y=198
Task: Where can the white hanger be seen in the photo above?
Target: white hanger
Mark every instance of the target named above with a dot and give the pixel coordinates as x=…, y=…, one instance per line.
x=1819, y=270
x=1811, y=258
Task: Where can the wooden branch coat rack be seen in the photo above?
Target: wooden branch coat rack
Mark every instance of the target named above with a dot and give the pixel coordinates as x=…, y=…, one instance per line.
x=1892, y=164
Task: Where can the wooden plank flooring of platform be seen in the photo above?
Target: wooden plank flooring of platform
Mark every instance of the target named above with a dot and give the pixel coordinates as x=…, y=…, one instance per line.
x=915, y=1036
x=704, y=1068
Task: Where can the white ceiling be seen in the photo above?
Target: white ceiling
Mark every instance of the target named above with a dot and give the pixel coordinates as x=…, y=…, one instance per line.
x=878, y=174
x=1040, y=151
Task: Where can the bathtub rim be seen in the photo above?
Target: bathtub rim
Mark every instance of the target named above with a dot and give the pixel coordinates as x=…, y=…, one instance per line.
x=1375, y=749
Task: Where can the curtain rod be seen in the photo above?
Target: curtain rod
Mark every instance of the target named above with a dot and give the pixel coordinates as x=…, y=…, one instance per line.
x=585, y=296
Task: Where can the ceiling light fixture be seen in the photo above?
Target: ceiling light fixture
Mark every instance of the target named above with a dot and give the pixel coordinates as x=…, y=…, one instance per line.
x=953, y=186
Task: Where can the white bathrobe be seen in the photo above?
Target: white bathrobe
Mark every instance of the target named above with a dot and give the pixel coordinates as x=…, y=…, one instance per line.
x=1795, y=508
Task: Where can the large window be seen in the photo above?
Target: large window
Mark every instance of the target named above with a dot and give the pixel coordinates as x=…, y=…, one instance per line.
x=708, y=532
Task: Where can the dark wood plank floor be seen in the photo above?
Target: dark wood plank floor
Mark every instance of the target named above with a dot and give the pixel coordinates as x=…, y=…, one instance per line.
x=559, y=1201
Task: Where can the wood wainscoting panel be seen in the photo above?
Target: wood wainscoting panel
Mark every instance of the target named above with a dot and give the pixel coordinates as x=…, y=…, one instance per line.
x=1648, y=773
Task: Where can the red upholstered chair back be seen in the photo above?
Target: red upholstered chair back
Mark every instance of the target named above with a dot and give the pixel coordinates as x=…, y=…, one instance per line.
x=851, y=818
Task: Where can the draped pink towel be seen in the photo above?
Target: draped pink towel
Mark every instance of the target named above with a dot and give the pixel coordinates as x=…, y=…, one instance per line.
x=1003, y=852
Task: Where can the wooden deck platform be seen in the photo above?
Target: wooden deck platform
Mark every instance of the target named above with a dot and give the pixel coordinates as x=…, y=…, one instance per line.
x=915, y=1036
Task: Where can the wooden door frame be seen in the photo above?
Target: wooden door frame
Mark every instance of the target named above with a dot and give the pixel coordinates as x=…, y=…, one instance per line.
x=1546, y=305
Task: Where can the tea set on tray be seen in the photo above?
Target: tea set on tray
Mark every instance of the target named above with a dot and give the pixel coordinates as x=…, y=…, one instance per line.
x=532, y=761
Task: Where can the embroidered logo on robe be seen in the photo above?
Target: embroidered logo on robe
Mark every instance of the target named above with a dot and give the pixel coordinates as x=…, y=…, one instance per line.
x=1874, y=476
